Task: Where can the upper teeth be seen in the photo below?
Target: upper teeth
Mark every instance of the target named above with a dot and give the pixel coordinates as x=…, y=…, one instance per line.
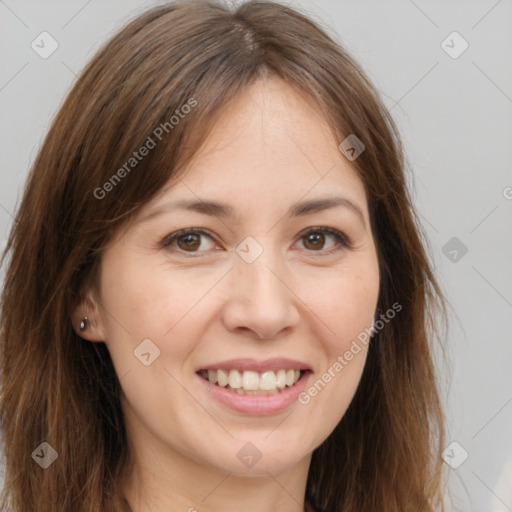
x=252, y=381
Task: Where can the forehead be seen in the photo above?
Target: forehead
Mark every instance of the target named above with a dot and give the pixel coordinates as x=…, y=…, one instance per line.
x=271, y=140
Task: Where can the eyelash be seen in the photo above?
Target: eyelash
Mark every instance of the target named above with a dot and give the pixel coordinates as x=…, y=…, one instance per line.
x=342, y=240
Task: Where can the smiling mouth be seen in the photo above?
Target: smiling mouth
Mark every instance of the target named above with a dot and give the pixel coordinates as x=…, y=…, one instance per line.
x=253, y=383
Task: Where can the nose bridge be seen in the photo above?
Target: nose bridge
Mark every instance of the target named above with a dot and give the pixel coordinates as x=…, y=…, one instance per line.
x=260, y=300
x=259, y=269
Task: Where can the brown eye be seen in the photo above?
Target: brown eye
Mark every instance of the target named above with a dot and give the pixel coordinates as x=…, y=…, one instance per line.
x=196, y=241
x=188, y=240
x=314, y=241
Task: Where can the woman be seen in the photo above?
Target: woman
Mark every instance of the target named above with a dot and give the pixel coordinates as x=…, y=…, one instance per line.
x=218, y=295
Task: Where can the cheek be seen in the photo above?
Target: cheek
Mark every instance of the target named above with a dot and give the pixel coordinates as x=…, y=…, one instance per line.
x=358, y=301
x=146, y=303
x=345, y=304
x=150, y=300
x=153, y=302
x=346, y=307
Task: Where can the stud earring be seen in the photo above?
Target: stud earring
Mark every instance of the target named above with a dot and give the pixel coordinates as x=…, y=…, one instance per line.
x=83, y=324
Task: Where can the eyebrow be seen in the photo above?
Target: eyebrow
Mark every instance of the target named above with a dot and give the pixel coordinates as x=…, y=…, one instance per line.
x=216, y=209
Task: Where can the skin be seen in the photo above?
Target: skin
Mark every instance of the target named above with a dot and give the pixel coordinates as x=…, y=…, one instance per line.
x=270, y=149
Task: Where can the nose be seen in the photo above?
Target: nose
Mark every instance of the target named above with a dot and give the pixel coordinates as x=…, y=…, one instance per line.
x=260, y=299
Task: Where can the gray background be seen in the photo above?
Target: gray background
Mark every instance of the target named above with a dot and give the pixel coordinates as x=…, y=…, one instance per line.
x=455, y=115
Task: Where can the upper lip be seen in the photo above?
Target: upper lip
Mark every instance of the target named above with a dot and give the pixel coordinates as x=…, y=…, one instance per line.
x=256, y=365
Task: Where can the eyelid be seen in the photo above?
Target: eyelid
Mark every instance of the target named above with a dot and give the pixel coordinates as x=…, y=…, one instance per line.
x=343, y=241
x=172, y=237
x=338, y=235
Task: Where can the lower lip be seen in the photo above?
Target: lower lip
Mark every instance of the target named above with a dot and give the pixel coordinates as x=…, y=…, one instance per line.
x=257, y=405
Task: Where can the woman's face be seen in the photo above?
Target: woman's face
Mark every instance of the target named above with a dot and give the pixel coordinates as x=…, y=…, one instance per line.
x=249, y=294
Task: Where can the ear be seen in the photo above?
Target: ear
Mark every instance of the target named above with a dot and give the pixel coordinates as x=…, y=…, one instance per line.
x=94, y=326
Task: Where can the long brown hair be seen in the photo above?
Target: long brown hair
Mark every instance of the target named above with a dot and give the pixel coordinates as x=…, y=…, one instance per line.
x=385, y=454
